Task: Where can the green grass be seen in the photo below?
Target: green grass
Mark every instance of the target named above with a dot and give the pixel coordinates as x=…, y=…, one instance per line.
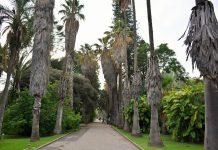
x=168, y=142
x=23, y=143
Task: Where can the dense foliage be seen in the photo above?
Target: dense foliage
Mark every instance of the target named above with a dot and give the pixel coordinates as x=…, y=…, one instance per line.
x=144, y=114
x=184, y=109
x=18, y=117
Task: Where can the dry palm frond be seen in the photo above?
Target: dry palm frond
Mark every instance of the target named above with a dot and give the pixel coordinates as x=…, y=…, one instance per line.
x=202, y=40
x=119, y=48
x=109, y=69
x=89, y=64
x=154, y=82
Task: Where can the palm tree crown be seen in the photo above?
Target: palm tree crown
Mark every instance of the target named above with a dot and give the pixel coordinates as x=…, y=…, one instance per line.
x=69, y=10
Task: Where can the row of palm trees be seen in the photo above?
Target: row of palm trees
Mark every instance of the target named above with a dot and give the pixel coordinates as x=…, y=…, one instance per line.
x=202, y=41
x=17, y=26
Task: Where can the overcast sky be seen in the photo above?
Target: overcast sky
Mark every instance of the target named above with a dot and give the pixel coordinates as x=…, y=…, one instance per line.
x=170, y=19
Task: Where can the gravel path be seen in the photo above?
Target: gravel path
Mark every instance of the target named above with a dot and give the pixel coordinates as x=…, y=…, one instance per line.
x=95, y=136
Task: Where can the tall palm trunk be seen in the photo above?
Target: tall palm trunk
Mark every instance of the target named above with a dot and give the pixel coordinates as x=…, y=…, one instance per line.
x=153, y=87
x=71, y=29
x=43, y=24
x=126, y=87
x=137, y=79
x=4, y=97
x=58, y=124
x=211, y=115
x=121, y=103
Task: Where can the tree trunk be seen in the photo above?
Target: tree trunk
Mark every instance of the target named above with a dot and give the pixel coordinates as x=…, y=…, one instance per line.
x=127, y=97
x=36, y=115
x=126, y=88
x=43, y=26
x=211, y=115
x=4, y=97
x=150, y=26
x=135, y=93
x=154, y=136
x=58, y=125
x=136, y=127
x=154, y=85
x=135, y=38
x=71, y=29
x=120, y=119
x=115, y=107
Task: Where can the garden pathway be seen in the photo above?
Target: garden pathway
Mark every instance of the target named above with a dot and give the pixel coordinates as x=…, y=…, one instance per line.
x=95, y=136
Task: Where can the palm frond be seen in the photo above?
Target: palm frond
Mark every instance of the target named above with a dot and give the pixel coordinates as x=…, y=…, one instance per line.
x=109, y=69
x=202, y=40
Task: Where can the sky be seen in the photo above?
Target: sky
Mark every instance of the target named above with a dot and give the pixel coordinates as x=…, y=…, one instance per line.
x=170, y=19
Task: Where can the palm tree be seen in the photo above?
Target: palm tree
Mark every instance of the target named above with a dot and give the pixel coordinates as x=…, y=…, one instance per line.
x=121, y=41
x=88, y=60
x=110, y=74
x=71, y=15
x=202, y=42
x=40, y=60
x=136, y=80
x=153, y=87
x=16, y=27
x=119, y=54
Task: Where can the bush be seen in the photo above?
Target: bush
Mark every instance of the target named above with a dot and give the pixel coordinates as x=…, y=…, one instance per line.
x=144, y=114
x=185, y=113
x=18, y=116
x=70, y=119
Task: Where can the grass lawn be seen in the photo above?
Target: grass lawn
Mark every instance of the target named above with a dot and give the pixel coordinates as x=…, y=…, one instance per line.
x=168, y=142
x=23, y=143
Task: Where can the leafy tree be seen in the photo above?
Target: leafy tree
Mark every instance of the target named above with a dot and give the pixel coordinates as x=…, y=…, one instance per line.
x=168, y=63
x=188, y=105
x=18, y=116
